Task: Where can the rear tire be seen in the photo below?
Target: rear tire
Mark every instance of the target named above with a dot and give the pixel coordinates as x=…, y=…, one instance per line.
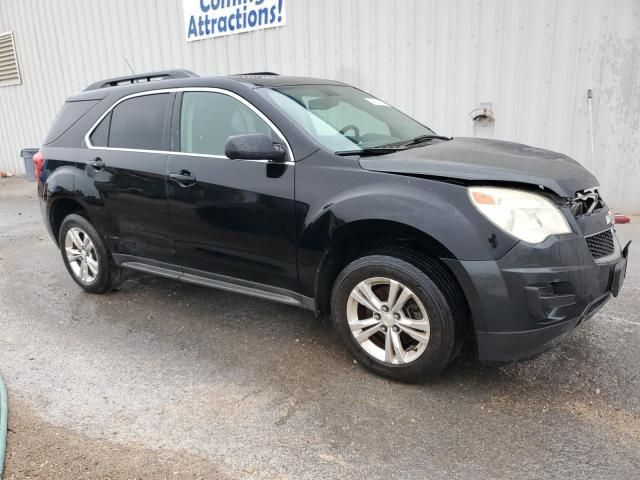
x=86, y=257
x=416, y=327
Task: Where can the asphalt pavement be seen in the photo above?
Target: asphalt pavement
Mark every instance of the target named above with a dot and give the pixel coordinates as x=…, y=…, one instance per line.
x=169, y=380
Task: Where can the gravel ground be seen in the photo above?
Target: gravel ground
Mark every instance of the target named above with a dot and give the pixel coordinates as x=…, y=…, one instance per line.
x=168, y=380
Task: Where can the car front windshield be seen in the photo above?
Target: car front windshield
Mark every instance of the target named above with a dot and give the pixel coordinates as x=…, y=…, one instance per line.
x=343, y=118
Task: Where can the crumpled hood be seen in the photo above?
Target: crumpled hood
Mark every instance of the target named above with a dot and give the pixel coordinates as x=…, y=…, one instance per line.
x=479, y=159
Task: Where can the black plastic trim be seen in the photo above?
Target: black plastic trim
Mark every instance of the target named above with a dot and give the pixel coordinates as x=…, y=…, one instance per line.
x=222, y=282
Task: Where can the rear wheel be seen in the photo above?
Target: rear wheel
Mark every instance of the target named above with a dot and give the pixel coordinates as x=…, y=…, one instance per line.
x=394, y=317
x=86, y=257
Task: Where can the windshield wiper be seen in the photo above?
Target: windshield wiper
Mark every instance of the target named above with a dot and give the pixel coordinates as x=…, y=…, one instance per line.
x=371, y=151
x=393, y=147
x=417, y=140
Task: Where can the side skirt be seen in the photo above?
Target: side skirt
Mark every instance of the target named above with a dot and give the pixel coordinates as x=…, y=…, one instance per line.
x=206, y=279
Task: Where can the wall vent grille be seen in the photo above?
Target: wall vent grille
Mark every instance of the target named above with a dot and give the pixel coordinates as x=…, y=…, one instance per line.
x=9, y=72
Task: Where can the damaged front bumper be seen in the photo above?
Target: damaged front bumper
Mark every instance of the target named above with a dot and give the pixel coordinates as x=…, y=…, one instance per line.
x=523, y=303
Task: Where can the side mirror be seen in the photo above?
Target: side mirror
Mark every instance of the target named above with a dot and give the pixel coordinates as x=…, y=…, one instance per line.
x=253, y=146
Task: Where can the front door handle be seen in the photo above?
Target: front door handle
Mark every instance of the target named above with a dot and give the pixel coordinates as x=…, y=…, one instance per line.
x=96, y=164
x=183, y=178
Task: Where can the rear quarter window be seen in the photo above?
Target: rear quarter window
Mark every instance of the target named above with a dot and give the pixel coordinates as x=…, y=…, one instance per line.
x=70, y=113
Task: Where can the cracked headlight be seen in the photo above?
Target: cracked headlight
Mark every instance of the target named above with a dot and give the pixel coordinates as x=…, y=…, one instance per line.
x=525, y=215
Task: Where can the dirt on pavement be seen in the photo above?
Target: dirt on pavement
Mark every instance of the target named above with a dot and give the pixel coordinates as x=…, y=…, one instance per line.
x=40, y=450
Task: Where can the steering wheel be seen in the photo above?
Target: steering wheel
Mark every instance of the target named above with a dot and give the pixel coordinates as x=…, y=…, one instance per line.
x=355, y=129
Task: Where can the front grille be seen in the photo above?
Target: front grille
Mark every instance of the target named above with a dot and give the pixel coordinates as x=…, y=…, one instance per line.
x=601, y=244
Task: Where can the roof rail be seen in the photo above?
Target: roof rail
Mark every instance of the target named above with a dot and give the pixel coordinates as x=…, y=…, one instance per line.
x=256, y=74
x=140, y=78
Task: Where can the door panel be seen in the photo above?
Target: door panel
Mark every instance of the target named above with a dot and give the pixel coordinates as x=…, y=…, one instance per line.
x=229, y=217
x=237, y=220
x=127, y=162
x=132, y=187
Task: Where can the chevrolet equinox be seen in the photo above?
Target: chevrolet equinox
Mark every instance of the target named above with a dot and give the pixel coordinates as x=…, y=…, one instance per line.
x=316, y=194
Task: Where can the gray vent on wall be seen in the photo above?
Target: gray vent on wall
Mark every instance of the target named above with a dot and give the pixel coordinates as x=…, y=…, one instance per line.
x=9, y=72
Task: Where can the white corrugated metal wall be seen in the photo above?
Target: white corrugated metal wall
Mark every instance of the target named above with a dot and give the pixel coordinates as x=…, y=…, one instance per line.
x=436, y=59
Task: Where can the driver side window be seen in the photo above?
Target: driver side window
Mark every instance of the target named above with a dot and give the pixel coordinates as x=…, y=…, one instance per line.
x=208, y=119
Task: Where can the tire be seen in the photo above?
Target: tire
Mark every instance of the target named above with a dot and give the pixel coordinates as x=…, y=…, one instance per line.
x=101, y=274
x=416, y=359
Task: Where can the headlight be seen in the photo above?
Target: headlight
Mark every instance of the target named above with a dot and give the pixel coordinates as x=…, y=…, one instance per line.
x=527, y=216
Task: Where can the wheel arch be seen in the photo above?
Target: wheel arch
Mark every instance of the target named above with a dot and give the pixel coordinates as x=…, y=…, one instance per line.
x=358, y=238
x=59, y=209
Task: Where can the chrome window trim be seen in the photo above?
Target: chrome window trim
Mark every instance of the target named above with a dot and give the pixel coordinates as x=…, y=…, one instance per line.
x=244, y=101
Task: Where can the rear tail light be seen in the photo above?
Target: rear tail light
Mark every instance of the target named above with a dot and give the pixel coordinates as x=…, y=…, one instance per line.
x=38, y=162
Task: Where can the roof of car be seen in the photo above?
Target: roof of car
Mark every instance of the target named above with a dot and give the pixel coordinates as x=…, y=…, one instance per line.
x=275, y=80
x=184, y=78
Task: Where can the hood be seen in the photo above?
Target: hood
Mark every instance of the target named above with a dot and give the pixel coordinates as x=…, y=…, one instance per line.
x=479, y=160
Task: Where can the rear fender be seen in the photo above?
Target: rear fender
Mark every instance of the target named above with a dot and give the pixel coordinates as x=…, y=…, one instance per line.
x=72, y=181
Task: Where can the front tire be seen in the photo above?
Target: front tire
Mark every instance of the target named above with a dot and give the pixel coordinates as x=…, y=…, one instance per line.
x=86, y=257
x=393, y=317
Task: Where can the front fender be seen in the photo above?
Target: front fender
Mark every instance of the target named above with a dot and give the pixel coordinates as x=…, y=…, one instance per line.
x=439, y=210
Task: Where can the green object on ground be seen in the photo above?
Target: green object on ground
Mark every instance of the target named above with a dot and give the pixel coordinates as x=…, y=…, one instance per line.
x=4, y=406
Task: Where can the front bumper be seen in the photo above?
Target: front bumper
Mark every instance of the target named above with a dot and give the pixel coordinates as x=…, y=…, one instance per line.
x=523, y=303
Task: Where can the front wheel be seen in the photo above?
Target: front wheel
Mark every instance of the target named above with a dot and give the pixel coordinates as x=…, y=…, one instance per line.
x=86, y=257
x=393, y=317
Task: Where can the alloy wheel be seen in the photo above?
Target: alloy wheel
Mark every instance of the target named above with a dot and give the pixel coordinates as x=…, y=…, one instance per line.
x=388, y=320
x=81, y=254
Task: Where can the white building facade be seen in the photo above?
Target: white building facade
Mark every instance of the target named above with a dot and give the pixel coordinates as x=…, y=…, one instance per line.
x=531, y=63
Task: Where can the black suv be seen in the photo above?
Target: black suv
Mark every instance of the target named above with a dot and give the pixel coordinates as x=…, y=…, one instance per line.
x=316, y=194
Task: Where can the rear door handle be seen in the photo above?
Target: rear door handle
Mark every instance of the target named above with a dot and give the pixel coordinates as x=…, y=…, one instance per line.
x=183, y=178
x=96, y=164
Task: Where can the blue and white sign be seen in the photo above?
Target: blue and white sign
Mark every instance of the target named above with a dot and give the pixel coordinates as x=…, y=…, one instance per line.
x=216, y=18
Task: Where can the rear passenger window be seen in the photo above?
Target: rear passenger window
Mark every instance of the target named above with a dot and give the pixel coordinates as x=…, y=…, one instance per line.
x=207, y=119
x=141, y=123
